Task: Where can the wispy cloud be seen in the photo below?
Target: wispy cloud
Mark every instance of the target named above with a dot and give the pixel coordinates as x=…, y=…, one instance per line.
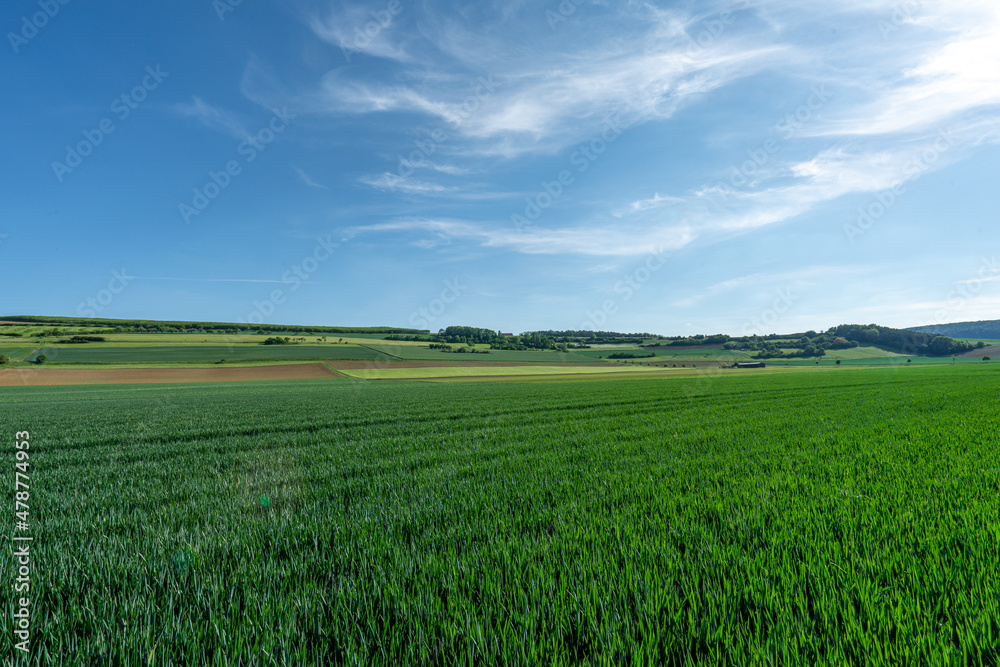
x=307, y=180
x=212, y=117
x=360, y=29
x=656, y=201
x=769, y=281
x=958, y=75
x=392, y=183
x=538, y=96
x=927, y=114
x=580, y=241
x=645, y=64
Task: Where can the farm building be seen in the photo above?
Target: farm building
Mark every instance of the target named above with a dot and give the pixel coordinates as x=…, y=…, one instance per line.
x=754, y=364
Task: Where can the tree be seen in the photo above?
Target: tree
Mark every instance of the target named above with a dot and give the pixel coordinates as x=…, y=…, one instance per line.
x=4, y=359
x=838, y=362
x=41, y=359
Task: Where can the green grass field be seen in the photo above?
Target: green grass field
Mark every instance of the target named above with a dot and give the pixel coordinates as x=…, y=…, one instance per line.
x=895, y=360
x=16, y=353
x=669, y=355
x=778, y=518
x=423, y=353
x=105, y=354
x=245, y=339
x=486, y=371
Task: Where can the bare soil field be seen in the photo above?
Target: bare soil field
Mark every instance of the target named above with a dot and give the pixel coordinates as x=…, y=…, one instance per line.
x=38, y=377
x=992, y=351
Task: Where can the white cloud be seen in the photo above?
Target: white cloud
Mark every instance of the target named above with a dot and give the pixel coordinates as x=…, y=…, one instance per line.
x=212, y=117
x=361, y=29
x=956, y=76
x=595, y=241
x=307, y=180
x=654, y=202
x=544, y=93
x=392, y=183
x=540, y=95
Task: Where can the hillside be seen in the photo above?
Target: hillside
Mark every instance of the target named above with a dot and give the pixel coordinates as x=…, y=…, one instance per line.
x=168, y=326
x=982, y=329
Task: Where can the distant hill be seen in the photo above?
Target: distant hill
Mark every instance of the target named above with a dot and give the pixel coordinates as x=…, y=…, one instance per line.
x=150, y=326
x=981, y=330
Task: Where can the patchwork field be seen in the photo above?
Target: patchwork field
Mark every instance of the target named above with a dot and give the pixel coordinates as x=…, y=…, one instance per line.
x=16, y=353
x=333, y=340
x=775, y=518
x=423, y=353
x=105, y=354
x=670, y=354
x=484, y=370
x=42, y=377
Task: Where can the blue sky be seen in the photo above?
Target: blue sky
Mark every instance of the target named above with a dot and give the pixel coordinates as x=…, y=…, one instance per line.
x=739, y=166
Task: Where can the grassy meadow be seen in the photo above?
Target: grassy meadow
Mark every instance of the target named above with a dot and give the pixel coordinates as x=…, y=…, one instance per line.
x=790, y=517
x=78, y=354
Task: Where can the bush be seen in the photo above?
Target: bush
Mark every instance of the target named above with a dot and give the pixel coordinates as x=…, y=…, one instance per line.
x=4, y=359
x=82, y=339
x=278, y=340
